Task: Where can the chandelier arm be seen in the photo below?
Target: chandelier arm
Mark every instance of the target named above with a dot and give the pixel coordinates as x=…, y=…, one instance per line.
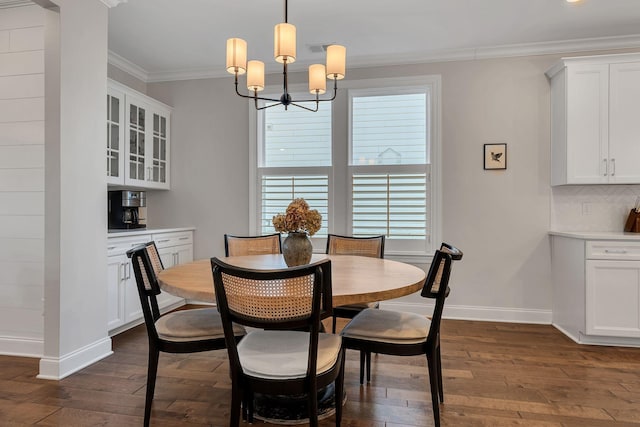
x=318, y=99
x=264, y=107
x=306, y=108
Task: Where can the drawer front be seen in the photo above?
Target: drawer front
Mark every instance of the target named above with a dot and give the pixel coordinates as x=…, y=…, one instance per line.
x=165, y=240
x=120, y=245
x=622, y=250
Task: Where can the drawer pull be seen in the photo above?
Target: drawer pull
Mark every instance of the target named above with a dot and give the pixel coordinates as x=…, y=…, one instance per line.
x=184, y=238
x=133, y=245
x=615, y=251
x=163, y=240
x=110, y=247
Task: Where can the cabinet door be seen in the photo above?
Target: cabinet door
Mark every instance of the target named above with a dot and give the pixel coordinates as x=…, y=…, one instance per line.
x=115, y=291
x=133, y=307
x=137, y=124
x=613, y=298
x=587, y=124
x=184, y=253
x=159, y=150
x=169, y=257
x=624, y=123
x=115, y=136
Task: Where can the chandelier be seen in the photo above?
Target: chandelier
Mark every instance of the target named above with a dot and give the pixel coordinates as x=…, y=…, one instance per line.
x=284, y=52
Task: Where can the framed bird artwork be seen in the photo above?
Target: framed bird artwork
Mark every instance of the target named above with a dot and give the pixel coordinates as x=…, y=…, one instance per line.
x=495, y=156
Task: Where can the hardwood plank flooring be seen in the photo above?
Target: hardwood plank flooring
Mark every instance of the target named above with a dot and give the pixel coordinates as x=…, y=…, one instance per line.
x=495, y=374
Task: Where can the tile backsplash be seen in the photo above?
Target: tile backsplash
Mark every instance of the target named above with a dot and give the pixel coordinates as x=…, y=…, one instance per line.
x=591, y=207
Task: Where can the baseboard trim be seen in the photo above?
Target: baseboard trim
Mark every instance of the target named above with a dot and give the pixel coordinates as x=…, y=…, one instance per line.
x=57, y=368
x=468, y=312
x=24, y=347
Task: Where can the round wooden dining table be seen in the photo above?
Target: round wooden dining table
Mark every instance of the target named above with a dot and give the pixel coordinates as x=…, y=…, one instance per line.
x=355, y=279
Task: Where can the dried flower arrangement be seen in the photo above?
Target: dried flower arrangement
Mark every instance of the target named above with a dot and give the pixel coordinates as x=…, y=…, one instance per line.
x=298, y=218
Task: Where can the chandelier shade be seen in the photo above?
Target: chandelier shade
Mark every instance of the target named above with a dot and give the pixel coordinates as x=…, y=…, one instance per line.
x=284, y=52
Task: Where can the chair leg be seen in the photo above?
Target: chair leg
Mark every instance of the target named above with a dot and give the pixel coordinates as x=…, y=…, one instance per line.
x=313, y=407
x=333, y=325
x=152, y=371
x=439, y=361
x=433, y=382
x=340, y=390
x=236, y=401
x=362, y=363
x=368, y=365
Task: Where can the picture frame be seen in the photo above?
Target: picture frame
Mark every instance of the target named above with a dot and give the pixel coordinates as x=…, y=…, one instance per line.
x=495, y=156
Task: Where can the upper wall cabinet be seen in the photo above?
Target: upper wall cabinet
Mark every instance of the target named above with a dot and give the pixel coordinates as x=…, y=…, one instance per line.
x=138, y=129
x=595, y=131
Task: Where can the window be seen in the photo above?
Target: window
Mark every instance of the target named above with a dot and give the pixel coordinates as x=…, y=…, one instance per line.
x=367, y=162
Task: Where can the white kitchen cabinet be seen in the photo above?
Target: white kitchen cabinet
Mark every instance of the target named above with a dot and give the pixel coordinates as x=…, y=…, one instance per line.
x=123, y=305
x=142, y=146
x=594, y=134
x=596, y=287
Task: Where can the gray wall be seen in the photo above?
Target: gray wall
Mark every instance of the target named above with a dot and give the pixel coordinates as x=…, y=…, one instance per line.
x=499, y=219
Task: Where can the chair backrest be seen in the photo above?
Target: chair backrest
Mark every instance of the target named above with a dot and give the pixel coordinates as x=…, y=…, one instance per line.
x=363, y=246
x=437, y=282
x=284, y=299
x=146, y=263
x=252, y=245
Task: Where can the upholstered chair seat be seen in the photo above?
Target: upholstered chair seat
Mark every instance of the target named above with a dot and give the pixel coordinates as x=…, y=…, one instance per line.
x=192, y=325
x=388, y=326
x=285, y=354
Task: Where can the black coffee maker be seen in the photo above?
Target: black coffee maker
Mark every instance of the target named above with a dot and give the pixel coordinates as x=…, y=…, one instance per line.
x=124, y=209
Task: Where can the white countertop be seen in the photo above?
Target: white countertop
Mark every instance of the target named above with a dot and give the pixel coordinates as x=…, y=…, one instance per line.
x=597, y=235
x=141, y=231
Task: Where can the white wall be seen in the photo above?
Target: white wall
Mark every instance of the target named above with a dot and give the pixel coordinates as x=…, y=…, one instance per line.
x=499, y=219
x=21, y=180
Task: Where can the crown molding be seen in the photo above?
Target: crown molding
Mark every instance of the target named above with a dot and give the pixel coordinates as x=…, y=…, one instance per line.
x=448, y=55
x=113, y=3
x=127, y=66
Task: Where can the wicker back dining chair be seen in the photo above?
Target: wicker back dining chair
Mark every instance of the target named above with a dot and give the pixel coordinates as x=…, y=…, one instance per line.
x=286, y=354
x=362, y=246
x=409, y=334
x=252, y=245
x=182, y=331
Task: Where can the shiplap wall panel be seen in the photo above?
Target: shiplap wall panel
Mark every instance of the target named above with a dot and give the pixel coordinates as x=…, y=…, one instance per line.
x=21, y=203
x=22, y=133
x=24, y=86
x=22, y=194
x=21, y=156
x=21, y=17
x=22, y=227
x=25, y=273
x=22, y=250
x=16, y=63
x=24, y=39
x=30, y=321
x=21, y=110
x=28, y=297
x=21, y=180
x=4, y=41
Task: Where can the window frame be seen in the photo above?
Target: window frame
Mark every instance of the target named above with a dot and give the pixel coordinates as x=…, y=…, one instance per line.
x=341, y=168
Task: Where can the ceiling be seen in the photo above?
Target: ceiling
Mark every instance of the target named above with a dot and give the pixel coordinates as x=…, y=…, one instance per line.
x=171, y=39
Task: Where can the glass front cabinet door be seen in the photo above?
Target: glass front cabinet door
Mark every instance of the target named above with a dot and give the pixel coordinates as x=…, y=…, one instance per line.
x=115, y=136
x=144, y=127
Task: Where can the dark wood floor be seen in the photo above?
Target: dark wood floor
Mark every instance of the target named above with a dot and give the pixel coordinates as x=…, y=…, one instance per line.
x=495, y=374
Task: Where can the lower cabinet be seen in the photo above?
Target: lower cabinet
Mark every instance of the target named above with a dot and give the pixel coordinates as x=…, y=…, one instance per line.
x=124, y=309
x=596, y=289
x=613, y=298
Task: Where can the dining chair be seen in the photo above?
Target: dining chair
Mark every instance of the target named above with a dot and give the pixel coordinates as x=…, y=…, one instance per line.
x=408, y=334
x=182, y=331
x=363, y=246
x=286, y=354
x=252, y=245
